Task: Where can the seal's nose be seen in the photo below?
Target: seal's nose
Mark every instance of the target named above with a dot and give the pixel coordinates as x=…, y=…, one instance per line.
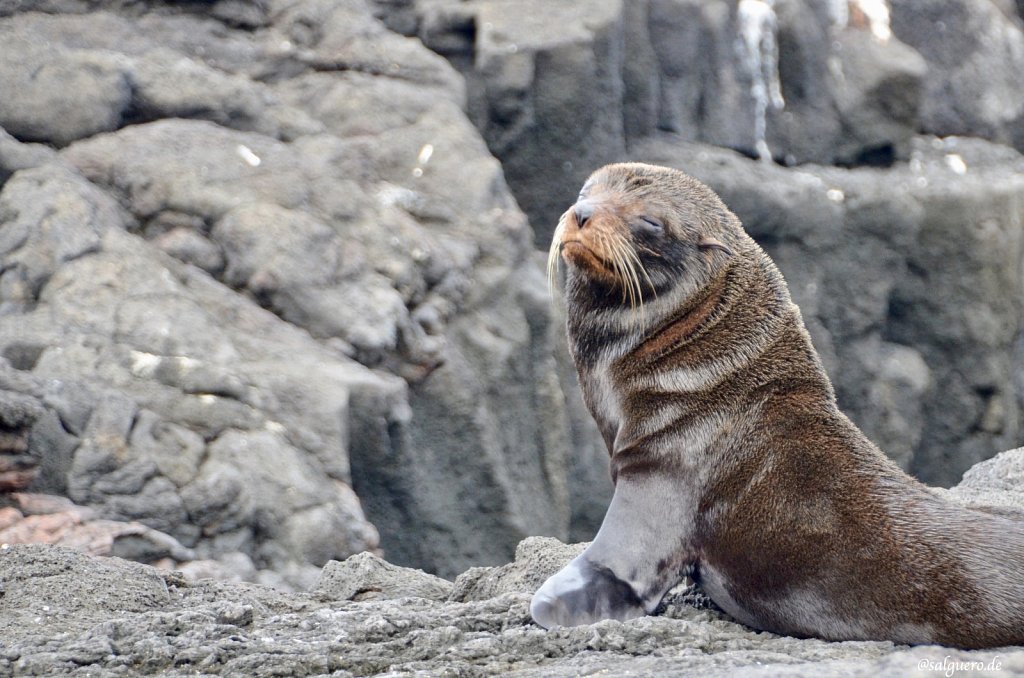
x=583, y=211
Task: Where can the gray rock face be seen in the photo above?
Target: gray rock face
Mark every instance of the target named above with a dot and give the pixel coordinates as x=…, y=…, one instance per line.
x=265, y=268
x=64, y=613
x=160, y=412
x=15, y=155
x=18, y=413
x=975, y=56
x=560, y=90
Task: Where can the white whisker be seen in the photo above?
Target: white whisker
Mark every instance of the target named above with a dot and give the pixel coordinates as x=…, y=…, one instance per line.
x=553, y=254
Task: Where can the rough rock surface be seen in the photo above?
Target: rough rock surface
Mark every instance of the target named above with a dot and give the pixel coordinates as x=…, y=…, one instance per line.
x=65, y=613
x=271, y=261
x=975, y=56
x=799, y=81
x=44, y=519
x=558, y=90
x=365, y=576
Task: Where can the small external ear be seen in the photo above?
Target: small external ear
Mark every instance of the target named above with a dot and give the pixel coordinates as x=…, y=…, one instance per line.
x=708, y=243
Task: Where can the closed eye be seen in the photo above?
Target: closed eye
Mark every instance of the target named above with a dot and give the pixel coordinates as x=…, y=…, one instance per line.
x=651, y=225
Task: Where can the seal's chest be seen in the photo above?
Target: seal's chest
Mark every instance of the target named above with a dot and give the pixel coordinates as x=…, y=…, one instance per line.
x=603, y=397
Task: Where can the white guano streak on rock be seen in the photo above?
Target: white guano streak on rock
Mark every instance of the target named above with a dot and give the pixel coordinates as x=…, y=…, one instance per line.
x=144, y=364
x=422, y=159
x=839, y=11
x=424, y=156
x=876, y=12
x=248, y=156
x=759, y=51
x=956, y=163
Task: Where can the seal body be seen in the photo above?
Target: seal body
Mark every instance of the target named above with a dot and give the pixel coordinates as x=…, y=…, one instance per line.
x=731, y=460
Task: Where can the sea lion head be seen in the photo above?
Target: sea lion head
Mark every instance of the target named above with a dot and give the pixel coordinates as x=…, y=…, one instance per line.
x=638, y=230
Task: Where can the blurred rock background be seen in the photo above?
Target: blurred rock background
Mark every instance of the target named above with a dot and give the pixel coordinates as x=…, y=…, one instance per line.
x=270, y=290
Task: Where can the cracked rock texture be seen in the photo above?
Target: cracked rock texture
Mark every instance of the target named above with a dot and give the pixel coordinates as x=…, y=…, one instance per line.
x=65, y=613
x=264, y=289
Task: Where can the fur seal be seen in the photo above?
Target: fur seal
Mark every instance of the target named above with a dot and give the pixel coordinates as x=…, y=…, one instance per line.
x=731, y=460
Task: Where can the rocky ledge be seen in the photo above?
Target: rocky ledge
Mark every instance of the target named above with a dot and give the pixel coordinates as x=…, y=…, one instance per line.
x=66, y=613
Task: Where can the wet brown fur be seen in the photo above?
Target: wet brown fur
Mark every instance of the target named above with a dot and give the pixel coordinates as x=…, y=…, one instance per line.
x=794, y=502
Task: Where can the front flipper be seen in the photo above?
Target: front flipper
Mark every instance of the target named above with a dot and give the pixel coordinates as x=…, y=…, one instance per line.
x=583, y=593
x=639, y=553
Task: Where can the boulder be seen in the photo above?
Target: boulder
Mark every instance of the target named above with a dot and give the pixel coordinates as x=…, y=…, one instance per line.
x=18, y=413
x=365, y=576
x=61, y=97
x=995, y=483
